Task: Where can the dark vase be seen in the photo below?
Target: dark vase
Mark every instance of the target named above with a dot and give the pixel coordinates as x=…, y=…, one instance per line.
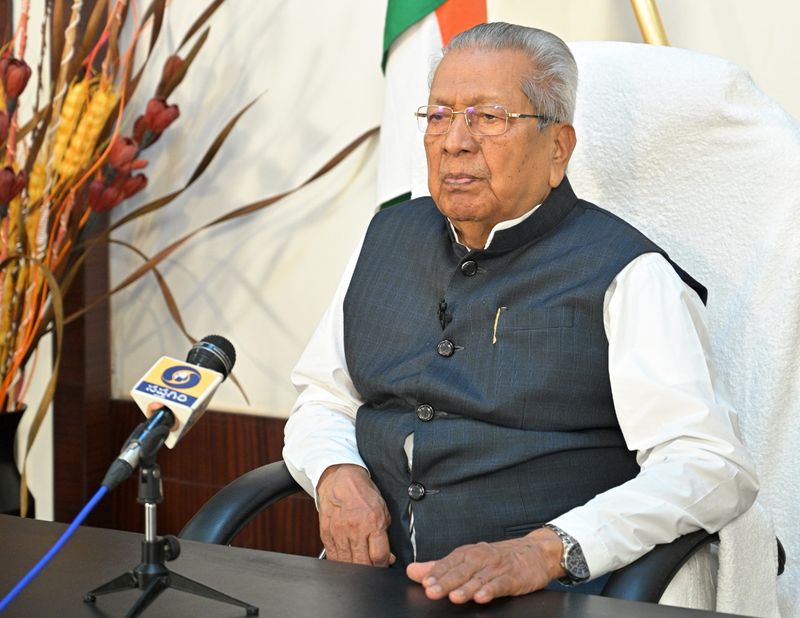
x=9, y=475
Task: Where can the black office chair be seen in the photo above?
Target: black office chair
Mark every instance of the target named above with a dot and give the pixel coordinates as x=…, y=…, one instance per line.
x=232, y=508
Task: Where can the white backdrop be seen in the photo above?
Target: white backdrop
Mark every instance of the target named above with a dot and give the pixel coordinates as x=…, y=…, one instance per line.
x=260, y=281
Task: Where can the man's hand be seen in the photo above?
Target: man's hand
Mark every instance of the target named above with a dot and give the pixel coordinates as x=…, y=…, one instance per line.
x=485, y=571
x=353, y=517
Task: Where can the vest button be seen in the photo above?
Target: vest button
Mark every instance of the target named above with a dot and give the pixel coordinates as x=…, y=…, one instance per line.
x=416, y=491
x=445, y=348
x=469, y=268
x=424, y=412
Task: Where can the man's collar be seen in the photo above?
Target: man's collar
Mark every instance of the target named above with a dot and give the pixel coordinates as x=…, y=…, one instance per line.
x=503, y=225
x=509, y=235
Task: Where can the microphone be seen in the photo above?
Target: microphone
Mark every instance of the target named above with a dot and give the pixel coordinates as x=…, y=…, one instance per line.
x=184, y=389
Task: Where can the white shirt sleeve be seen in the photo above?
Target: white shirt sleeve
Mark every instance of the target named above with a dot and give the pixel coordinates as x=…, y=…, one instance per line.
x=321, y=429
x=695, y=473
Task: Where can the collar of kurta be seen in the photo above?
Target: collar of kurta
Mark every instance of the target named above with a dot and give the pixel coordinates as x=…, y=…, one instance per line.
x=555, y=208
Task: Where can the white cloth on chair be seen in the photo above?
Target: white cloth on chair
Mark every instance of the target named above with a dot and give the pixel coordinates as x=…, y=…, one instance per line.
x=712, y=579
x=685, y=147
x=748, y=553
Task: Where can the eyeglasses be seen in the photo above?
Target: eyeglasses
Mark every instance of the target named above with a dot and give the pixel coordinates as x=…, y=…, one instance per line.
x=481, y=119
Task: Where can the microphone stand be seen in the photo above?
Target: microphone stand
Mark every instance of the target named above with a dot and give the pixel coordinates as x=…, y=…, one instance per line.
x=151, y=575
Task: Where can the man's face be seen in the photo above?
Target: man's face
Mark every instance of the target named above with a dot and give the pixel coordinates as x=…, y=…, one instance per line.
x=478, y=181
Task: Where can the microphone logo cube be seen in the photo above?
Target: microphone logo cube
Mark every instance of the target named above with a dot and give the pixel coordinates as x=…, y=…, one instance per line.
x=183, y=388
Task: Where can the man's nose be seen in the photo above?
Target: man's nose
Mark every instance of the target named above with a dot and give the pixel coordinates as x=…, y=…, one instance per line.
x=458, y=138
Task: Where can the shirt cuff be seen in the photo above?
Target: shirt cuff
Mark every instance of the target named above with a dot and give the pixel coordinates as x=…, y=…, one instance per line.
x=598, y=558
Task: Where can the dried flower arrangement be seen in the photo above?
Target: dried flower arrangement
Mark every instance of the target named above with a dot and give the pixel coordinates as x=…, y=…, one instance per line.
x=70, y=160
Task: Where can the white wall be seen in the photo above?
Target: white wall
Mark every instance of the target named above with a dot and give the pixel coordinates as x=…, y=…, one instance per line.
x=759, y=36
x=261, y=281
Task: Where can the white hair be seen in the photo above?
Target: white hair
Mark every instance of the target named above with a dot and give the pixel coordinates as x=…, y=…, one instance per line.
x=552, y=83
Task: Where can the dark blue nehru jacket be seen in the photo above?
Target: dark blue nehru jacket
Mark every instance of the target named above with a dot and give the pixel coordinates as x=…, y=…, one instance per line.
x=496, y=360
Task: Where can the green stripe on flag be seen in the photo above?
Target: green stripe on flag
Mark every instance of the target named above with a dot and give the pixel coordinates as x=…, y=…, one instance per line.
x=402, y=14
x=395, y=200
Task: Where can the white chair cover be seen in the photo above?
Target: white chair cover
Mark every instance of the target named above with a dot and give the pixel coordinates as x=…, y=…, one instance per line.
x=686, y=147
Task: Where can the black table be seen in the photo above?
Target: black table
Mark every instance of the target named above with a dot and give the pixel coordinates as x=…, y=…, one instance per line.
x=279, y=584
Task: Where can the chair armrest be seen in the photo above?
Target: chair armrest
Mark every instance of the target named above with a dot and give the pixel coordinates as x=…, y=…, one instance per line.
x=229, y=510
x=647, y=578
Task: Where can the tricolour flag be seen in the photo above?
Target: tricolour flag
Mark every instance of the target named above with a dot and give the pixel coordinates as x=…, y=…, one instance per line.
x=415, y=31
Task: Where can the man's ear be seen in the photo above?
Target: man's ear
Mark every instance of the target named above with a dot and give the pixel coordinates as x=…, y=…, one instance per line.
x=563, y=142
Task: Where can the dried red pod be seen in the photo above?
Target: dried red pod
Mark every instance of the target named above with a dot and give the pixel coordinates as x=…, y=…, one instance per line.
x=11, y=184
x=130, y=185
x=102, y=197
x=139, y=128
x=160, y=114
x=15, y=75
x=123, y=152
x=157, y=117
x=3, y=127
x=172, y=67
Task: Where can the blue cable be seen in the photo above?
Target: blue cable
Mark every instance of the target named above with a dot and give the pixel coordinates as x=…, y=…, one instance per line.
x=55, y=548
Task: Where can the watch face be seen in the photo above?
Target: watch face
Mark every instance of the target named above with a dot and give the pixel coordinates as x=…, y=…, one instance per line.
x=575, y=563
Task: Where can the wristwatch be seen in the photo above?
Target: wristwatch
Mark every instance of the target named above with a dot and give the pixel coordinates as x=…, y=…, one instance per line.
x=572, y=559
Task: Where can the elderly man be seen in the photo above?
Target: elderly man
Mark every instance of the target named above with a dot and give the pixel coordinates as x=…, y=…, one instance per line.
x=511, y=385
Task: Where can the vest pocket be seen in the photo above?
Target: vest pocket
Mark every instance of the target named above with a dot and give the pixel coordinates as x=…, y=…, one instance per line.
x=521, y=318
x=514, y=532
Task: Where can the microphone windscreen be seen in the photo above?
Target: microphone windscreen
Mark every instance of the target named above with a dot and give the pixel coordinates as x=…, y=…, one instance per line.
x=213, y=352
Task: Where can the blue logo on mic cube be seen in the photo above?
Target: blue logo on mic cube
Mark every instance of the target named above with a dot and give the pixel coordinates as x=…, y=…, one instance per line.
x=181, y=377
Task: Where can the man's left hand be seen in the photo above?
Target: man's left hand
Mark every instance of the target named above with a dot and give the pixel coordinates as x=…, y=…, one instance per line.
x=485, y=571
